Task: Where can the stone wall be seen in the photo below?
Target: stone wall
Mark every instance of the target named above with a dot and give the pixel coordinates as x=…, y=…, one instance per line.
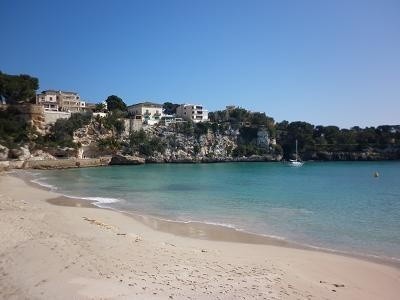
x=50, y=117
x=31, y=113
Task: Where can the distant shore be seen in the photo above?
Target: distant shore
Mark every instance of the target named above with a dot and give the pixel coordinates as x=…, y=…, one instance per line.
x=67, y=163
x=92, y=253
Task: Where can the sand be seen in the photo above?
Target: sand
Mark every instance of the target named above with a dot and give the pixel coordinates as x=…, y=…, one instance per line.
x=76, y=251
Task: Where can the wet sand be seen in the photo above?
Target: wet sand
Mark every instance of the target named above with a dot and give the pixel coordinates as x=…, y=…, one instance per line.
x=216, y=232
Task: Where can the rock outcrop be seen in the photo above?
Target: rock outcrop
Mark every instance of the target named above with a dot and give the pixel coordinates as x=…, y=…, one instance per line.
x=41, y=155
x=21, y=153
x=126, y=160
x=66, y=163
x=3, y=153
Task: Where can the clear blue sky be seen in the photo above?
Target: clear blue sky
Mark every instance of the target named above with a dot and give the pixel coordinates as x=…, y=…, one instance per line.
x=325, y=62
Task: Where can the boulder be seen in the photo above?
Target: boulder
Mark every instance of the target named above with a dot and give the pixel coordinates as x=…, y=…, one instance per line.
x=126, y=160
x=3, y=152
x=41, y=155
x=4, y=165
x=65, y=152
x=21, y=153
x=17, y=164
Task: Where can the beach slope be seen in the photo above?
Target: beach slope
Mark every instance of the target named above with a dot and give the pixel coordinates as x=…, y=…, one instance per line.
x=67, y=252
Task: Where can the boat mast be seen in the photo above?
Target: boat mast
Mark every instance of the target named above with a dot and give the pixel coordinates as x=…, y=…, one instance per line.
x=296, y=151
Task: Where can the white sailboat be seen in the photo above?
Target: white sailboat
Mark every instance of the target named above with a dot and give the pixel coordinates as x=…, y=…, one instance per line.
x=296, y=162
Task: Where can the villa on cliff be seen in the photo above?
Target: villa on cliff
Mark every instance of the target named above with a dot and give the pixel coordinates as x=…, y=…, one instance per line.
x=192, y=112
x=59, y=104
x=53, y=100
x=150, y=113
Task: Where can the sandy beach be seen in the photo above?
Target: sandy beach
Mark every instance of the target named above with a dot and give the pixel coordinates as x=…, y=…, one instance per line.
x=75, y=251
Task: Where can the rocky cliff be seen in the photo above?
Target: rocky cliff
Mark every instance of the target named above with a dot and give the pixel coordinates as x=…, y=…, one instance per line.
x=98, y=143
x=166, y=144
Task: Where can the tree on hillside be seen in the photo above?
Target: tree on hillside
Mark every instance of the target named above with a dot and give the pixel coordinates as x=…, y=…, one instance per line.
x=170, y=108
x=115, y=103
x=100, y=107
x=18, y=88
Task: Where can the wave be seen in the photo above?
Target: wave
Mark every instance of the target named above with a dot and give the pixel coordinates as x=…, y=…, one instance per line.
x=44, y=184
x=103, y=200
x=97, y=200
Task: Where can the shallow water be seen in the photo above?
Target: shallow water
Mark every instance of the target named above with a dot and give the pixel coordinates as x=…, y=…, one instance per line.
x=335, y=205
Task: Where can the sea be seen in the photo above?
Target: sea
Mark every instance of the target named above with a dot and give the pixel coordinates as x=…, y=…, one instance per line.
x=341, y=206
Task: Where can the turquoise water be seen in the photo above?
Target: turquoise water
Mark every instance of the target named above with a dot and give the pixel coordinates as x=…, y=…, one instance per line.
x=336, y=205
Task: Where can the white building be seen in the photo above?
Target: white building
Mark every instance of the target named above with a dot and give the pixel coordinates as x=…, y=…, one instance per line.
x=150, y=113
x=48, y=100
x=192, y=112
x=60, y=101
x=170, y=119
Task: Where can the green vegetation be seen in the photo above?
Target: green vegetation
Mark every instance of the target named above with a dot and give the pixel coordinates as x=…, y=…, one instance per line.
x=61, y=133
x=14, y=130
x=246, y=150
x=238, y=117
x=100, y=107
x=110, y=144
x=113, y=122
x=18, y=89
x=332, y=139
x=115, y=103
x=143, y=144
x=170, y=108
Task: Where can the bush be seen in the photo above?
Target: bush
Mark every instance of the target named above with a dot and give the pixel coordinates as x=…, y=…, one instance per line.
x=143, y=144
x=109, y=145
x=245, y=150
x=61, y=133
x=13, y=128
x=113, y=122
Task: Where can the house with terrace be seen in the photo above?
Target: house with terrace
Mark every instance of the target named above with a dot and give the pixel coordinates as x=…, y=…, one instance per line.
x=150, y=113
x=53, y=100
x=192, y=112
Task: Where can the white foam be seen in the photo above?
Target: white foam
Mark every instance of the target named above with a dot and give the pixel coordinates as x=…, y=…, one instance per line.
x=46, y=185
x=218, y=224
x=100, y=199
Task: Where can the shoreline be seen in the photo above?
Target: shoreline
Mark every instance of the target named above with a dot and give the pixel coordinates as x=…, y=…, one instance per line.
x=207, y=231
x=72, y=163
x=63, y=252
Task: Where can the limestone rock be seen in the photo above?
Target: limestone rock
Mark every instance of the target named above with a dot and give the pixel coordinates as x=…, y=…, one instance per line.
x=3, y=152
x=4, y=165
x=21, y=153
x=17, y=164
x=41, y=155
x=126, y=160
